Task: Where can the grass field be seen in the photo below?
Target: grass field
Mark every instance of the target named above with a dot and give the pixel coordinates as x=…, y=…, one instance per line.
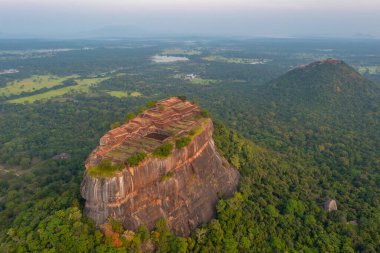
x=83, y=85
x=370, y=70
x=196, y=79
x=33, y=83
x=124, y=94
x=201, y=81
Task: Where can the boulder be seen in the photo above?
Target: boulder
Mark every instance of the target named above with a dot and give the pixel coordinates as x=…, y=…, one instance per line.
x=331, y=205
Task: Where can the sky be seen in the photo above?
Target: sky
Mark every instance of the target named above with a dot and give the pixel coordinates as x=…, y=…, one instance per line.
x=248, y=18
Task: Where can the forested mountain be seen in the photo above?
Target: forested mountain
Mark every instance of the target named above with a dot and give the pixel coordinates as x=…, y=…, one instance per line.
x=326, y=108
x=326, y=86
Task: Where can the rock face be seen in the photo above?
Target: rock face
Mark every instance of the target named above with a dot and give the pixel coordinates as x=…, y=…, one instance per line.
x=331, y=205
x=183, y=187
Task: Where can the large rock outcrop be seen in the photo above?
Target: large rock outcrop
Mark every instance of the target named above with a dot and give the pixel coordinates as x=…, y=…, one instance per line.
x=183, y=187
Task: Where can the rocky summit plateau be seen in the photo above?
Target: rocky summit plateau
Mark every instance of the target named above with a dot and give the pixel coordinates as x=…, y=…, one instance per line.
x=161, y=164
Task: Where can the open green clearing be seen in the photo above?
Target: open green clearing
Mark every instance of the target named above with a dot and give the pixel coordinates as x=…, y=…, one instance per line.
x=124, y=94
x=83, y=85
x=202, y=81
x=196, y=79
x=33, y=83
x=369, y=70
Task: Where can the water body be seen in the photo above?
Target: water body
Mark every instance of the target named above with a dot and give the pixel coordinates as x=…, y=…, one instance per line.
x=8, y=71
x=168, y=59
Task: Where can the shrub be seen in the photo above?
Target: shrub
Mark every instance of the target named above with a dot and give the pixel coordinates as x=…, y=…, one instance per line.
x=167, y=176
x=142, y=109
x=105, y=169
x=150, y=104
x=130, y=116
x=135, y=159
x=194, y=132
x=183, y=142
x=161, y=108
x=205, y=113
x=183, y=98
x=115, y=124
x=164, y=150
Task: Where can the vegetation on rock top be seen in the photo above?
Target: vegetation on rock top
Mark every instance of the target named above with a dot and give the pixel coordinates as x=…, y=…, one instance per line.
x=135, y=159
x=105, y=169
x=164, y=150
x=182, y=142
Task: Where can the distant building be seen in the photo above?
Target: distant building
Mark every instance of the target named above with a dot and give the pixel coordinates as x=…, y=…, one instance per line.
x=62, y=156
x=190, y=76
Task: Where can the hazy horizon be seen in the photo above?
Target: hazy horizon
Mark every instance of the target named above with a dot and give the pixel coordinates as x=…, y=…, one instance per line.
x=255, y=18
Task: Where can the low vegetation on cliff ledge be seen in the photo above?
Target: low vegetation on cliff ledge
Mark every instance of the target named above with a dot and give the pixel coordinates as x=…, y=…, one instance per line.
x=164, y=150
x=182, y=142
x=105, y=169
x=134, y=160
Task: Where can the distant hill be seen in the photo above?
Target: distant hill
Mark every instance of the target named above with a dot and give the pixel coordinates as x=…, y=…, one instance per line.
x=326, y=86
x=326, y=110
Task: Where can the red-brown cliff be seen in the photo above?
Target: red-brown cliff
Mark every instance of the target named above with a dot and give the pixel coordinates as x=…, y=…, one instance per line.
x=183, y=187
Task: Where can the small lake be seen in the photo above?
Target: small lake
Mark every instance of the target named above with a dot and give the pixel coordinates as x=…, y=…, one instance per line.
x=168, y=58
x=8, y=71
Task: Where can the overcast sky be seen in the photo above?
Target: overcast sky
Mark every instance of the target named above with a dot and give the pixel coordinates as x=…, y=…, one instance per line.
x=278, y=18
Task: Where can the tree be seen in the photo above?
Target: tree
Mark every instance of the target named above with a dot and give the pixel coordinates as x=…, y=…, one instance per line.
x=272, y=211
x=230, y=244
x=294, y=207
x=25, y=162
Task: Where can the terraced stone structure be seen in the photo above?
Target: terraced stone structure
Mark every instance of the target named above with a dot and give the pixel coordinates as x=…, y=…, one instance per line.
x=167, y=120
x=183, y=187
